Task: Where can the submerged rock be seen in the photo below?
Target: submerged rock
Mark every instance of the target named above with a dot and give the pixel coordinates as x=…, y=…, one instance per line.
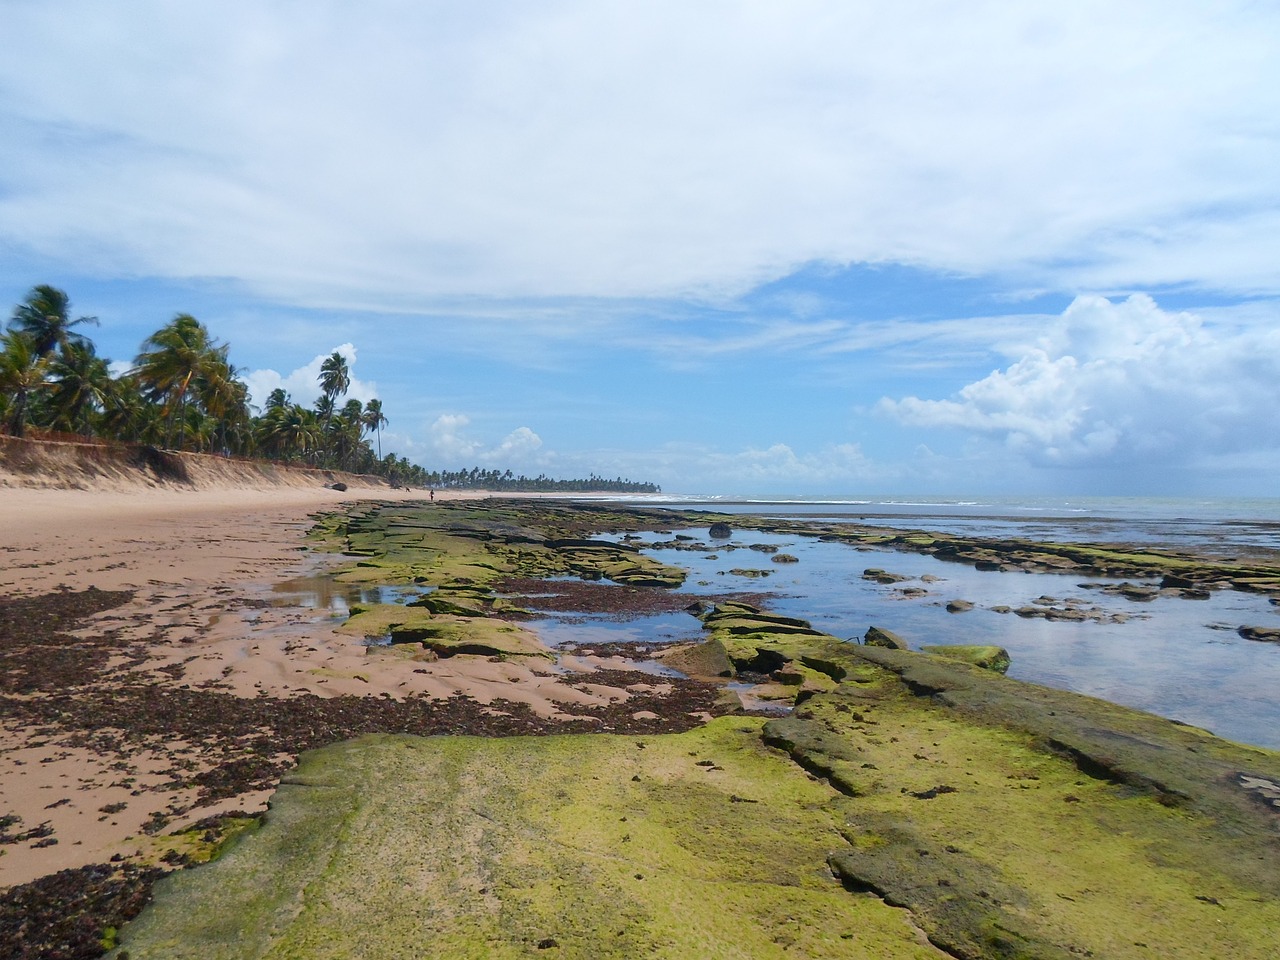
x=877, y=575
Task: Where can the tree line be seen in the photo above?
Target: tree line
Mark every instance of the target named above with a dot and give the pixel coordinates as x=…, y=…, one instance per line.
x=182, y=392
x=500, y=480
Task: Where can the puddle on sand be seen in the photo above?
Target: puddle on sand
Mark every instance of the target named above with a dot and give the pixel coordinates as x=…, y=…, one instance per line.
x=321, y=592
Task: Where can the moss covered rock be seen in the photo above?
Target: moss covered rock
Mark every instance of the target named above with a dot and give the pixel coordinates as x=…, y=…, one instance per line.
x=984, y=656
x=707, y=844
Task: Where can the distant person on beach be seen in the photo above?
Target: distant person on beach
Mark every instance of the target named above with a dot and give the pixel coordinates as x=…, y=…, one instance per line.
x=433, y=493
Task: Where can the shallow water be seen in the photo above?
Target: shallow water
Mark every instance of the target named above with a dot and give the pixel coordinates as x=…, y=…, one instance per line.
x=1222, y=526
x=584, y=629
x=1175, y=657
x=319, y=591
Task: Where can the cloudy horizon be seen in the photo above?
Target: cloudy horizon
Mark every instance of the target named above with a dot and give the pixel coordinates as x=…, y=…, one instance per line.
x=817, y=247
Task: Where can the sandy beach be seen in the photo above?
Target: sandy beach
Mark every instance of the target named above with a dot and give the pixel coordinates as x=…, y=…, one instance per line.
x=199, y=567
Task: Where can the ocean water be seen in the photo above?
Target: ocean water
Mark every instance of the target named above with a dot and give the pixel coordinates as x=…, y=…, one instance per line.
x=1226, y=525
x=1179, y=658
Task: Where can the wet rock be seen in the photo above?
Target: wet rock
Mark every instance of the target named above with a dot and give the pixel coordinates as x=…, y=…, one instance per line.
x=877, y=575
x=878, y=637
x=959, y=606
x=785, y=558
x=720, y=531
x=1070, y=614
x=1264, y=634
x=340, y=487
x=1140, y=592
x=706, y=659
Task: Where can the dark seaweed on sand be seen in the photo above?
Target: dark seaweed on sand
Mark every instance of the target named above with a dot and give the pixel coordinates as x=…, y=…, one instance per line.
x=60, y=685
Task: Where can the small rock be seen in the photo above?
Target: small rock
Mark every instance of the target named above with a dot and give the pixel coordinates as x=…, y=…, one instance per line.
x=1264, y=634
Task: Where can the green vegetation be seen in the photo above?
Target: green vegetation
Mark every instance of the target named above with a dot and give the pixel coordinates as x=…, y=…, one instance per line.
x=183, y=393
x=505, y=481
x=705, y=844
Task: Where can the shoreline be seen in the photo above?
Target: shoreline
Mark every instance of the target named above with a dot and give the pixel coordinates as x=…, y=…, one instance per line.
x=949, y=788
x=200, y=685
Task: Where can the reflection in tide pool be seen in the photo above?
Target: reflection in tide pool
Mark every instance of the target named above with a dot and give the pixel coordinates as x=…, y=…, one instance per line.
x=321, y=592
x=1179, y=658
x=583, y=629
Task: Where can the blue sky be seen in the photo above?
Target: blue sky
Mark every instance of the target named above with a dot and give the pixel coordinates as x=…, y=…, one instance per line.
x=804, y=247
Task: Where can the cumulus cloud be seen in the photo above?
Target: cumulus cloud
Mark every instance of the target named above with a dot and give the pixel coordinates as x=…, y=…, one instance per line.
x=303, y=384
x=449, y=445
x=1121, y=383
x=779, y=468
x=392, y=153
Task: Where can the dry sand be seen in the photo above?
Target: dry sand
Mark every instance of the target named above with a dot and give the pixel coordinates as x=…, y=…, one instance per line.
x=204, y=565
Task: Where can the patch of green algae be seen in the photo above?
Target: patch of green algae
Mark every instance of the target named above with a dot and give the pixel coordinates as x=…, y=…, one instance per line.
x=704, y=844
x=987, y=656
x=446, y=634
x=1016, y=821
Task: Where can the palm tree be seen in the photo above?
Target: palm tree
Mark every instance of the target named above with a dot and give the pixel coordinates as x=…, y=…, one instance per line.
x=45, y=317
x=342, y=436
x=180, y=354
x=373, y=419
x=22, y=371
x=335, y=378
x=224, y=397
x=289, y=432
x=125, y=412
x=325, y=408
x=81, y=382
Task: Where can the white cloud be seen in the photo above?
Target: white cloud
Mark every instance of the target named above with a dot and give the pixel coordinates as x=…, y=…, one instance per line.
x=1122, y=383
x=395, y=153
x=303, y=384
x=448, y=446
x=689, y=468
x=519, y=444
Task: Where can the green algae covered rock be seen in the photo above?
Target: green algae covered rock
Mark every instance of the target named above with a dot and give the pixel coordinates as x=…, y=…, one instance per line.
x=1003, y=819
x=447, y=635
x=476, y=636
x=879, y=637
x=706, y=659
x=706, y=844
x=984, y=656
